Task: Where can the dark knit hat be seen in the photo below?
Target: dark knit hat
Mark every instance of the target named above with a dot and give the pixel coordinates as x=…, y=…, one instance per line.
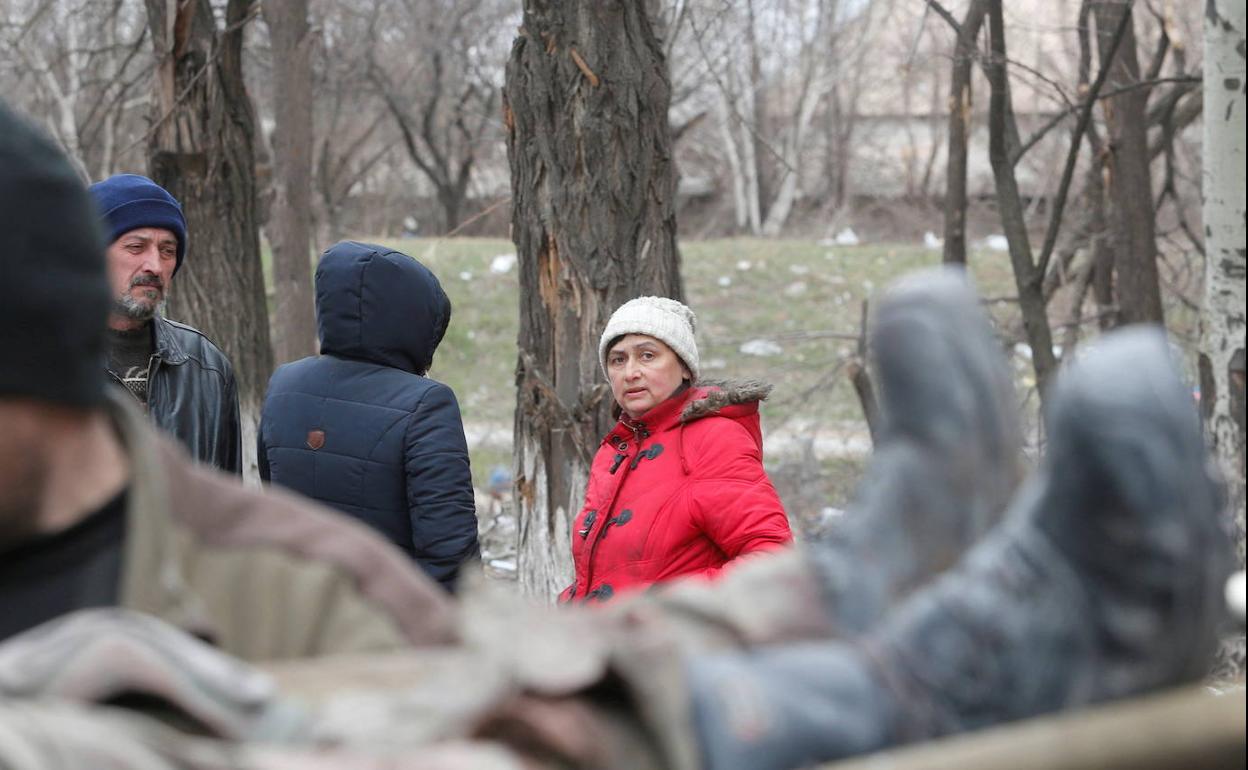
x=54, y=294
x=129, y=201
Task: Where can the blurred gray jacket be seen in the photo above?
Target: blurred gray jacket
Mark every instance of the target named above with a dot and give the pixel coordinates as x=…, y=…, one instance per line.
x=261, y=575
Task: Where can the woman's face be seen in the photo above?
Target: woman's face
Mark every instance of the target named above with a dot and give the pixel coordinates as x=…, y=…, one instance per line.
x=643, y=372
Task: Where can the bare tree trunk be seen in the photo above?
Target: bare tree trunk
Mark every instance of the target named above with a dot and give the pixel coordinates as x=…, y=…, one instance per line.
x=960, y=113
x=933, y=136
x=1101, y=243
x=1028, y=277
x=294, y=328
x=741, y=204
x=757, y=93
x=593, y=220
x=1222, y=321
x=1132, y=213
x=201, y=151
x=814, y=84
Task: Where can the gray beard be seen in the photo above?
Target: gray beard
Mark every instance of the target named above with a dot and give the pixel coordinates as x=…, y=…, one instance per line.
x=127, y=306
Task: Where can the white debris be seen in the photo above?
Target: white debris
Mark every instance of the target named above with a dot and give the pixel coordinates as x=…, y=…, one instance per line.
x=465, y=276
x=997, y=243
x=503, y=263
x=503, y=565
x=868, y=286
x=1235, y=595
x=1023, y=350
x=795, y=289
x=799, y=269
x=830, y=513
x=744, y=264
x=761, y=348
x=931, y=242
x=725, y=281
x=847, y=237
x=472, y=334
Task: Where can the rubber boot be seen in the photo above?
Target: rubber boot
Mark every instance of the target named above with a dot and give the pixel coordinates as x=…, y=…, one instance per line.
x=1103, y=582
x=947, y=457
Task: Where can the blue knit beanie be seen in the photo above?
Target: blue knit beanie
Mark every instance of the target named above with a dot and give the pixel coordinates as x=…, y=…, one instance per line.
x=128, y=201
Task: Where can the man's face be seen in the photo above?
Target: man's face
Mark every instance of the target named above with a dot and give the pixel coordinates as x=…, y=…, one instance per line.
x=140, y=269
x=23, y=468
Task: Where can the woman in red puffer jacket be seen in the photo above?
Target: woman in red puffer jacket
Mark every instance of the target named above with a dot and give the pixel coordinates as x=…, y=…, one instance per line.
x=678, y=487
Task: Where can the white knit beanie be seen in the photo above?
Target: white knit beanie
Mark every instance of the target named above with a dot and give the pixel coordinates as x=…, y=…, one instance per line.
x=665, y=319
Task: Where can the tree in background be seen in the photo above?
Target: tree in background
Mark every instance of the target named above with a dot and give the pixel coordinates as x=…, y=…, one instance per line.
x=83, y=69
x=960, y=114
x=1222, y=321
x=1127, y=166
x=290, y=221
x=586, y=111
x=770, y=68
x=443, y=99
x=349, y=124
x=200, y=149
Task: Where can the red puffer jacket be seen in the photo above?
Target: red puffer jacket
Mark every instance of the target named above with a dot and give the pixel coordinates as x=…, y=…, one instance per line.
x=680, y=491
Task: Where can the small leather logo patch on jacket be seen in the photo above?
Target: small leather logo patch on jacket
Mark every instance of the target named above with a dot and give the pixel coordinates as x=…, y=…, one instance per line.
x=316, y=439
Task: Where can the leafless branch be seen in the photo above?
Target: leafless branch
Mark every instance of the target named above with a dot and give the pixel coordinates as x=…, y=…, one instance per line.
x=1076, y=140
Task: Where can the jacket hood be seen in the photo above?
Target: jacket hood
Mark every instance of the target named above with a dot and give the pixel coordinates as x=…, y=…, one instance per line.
x=737, y=400
x=734, y=398
x=379, y=305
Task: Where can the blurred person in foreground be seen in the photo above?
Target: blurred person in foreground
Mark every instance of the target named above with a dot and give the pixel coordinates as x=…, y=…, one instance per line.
x=361, y=427
x=180, y=378
x=677, y=487
x=98, y=510
x=1100, y=578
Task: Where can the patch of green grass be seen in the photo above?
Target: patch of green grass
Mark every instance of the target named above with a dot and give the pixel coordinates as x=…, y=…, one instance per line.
x=797, y=294
x=477, y=358
x=806, y=299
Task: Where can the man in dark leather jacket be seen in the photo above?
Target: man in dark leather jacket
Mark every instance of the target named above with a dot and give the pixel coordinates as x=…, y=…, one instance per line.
x=182, y=379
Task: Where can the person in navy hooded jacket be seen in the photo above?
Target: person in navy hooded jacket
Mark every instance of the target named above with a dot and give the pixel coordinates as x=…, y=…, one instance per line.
x=360, y=427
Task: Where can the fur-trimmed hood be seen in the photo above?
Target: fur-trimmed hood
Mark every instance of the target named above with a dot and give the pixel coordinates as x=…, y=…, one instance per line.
x=731, y=399
x=712, y=397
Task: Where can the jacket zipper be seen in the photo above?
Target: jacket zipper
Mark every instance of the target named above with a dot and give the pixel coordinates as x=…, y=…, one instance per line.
x=153, y=364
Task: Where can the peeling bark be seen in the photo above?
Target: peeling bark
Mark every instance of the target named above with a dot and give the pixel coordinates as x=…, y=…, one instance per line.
x=593, y=220
x=201, y=150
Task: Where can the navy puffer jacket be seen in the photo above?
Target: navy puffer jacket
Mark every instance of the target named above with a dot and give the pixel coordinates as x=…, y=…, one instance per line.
x=360, y=427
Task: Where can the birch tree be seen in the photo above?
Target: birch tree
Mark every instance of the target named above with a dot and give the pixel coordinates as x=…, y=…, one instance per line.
x=772, y=67
x=1222, y=320
x=82, y=68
